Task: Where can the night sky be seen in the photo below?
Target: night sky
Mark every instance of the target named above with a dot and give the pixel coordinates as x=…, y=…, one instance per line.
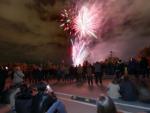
x=29, y=29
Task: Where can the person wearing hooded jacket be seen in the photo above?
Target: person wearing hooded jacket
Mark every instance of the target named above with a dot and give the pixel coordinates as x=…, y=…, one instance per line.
x=42, y=101
x=23, y=100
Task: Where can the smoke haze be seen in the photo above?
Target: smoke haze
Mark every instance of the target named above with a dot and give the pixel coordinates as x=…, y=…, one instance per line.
x=29, y=30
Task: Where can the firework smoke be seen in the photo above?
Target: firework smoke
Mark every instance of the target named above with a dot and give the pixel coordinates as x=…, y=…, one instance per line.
x=85, y=23
x=101, y=26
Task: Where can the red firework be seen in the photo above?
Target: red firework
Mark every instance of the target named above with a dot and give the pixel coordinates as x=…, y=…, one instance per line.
x=66, y=20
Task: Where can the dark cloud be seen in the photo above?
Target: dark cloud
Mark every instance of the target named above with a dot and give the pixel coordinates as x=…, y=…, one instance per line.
x=18, y=27
x=26, y=36
x=29, y=29
x=5, y=2
x=14, y=52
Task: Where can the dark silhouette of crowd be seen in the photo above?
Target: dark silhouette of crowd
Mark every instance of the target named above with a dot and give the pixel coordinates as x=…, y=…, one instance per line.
x=90, y=72
x=37, y=98
x=21, y=85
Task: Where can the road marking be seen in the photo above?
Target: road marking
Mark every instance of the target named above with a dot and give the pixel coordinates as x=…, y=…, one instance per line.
x=70, y=100
x=91, y=105
x=117, y=103
x=70, y=95
x=133, y=106
x=59, y=93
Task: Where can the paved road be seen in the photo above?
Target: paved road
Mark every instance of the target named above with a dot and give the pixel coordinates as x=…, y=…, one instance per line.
x=78, y=107
x=84, y=91
x=76, y=104
x=73, y=106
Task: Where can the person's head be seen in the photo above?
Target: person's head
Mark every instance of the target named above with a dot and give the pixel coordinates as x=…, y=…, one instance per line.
x=23, y=88
x=106, y=105
x=41, y=87
x=34, y=90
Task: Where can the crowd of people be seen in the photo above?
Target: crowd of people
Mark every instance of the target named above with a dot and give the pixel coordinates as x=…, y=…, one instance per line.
x=37, y=98
x=127, y=90
x=90, y=72
x=24, y=86
x=19, y=97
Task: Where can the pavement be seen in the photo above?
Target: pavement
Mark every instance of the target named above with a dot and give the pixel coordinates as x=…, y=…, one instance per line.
x=81, y=98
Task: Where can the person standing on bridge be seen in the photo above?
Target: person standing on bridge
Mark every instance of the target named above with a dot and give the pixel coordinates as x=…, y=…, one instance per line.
x=89, y=75
x=98, y=73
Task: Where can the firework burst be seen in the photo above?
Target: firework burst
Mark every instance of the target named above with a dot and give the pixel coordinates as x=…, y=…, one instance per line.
x=66, y=20
x=82, y=22
x=87, y=21
x=80, y=52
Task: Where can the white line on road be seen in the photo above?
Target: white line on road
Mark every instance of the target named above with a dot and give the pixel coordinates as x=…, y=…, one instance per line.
x=92, y=105
x=117, y=103
x=70, y=100
x=133, y=106
x=59, y=93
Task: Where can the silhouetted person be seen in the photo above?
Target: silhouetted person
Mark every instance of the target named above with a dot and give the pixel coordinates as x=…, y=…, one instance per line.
x=128, y=90
x=144, y=67
x=144, y=92
x=89, y=75
x=23, y=100
x=132, y=67
x=3, y=73
x=98, y=73
x=106, y=105
x=42, y=101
